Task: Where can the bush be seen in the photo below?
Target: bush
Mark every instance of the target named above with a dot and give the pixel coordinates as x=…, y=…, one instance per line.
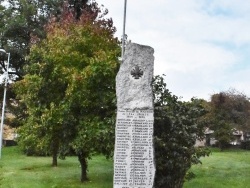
x=176, y=129
x=245, y=145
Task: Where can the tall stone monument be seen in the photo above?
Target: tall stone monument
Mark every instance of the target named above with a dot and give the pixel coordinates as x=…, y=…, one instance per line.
x=134, y=154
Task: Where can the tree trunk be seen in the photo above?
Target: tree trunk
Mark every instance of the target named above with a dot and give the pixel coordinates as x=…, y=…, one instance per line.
x=54, y=159
x=84, y=167
x=55, y=148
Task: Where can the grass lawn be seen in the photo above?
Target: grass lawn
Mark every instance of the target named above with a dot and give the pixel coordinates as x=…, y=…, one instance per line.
x=20, y=171
x=230, y=169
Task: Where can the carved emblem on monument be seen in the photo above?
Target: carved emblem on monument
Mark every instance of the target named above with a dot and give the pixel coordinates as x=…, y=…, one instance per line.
x=137, y=72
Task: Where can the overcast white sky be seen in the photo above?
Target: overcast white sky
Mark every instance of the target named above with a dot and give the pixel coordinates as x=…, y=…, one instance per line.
x=202, y=46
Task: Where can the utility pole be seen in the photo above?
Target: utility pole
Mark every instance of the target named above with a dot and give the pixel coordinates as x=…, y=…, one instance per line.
x=6, y=73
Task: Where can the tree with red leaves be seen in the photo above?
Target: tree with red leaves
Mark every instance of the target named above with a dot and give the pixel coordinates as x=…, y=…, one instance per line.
x=69, y=87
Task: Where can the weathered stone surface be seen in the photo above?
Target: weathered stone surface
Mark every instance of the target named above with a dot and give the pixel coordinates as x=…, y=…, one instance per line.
x=135, y=93
x=134, y=158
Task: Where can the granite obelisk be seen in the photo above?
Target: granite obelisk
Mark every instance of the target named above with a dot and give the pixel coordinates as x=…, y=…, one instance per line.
x=134, y=154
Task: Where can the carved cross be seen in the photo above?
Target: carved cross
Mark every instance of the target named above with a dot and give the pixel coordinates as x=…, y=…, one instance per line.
x=136, y=72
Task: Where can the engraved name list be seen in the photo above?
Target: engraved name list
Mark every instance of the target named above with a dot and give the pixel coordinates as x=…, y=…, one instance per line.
x=134, y=149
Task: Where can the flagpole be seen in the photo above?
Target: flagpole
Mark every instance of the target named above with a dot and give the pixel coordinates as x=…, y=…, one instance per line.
x=124, y=25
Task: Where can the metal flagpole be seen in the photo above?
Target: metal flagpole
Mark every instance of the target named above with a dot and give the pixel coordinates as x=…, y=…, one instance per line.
x=124, y=24
x=4, y=100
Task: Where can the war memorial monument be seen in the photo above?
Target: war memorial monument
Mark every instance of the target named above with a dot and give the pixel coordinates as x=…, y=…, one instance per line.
x=134, y=153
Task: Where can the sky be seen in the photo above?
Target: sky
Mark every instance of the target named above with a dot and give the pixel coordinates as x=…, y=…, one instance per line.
x=202, y=46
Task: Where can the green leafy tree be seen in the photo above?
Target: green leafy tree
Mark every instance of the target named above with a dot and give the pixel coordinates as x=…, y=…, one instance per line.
x=69, y=87
x=177, y=126
x=229, y=110
x=20, y=21
x=22, y=24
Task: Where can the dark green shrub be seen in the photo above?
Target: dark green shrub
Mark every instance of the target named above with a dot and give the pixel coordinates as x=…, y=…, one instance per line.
x=176, y=129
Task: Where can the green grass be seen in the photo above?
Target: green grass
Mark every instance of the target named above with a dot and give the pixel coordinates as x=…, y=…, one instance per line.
x=20, y=171
x=230, y=169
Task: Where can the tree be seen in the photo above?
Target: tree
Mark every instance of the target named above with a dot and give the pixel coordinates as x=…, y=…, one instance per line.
x=229, y=110
x=78, y=6
x=69, y=87
x=177, y=126
x=21, y=24
x=21, y=20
